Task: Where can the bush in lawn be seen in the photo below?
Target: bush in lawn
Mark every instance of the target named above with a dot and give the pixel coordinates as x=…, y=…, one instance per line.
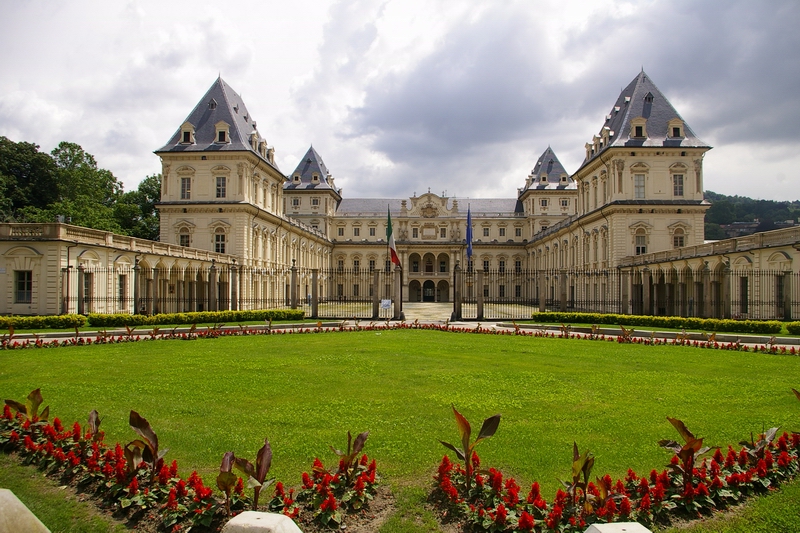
x=211, y=317
x=793, y=328
x=42, y=322
x=674, y=322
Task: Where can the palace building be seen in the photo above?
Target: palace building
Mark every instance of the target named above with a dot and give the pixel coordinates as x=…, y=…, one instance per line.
x=236, y=232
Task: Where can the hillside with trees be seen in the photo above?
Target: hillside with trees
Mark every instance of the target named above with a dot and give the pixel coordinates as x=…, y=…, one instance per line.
x=729, y=209
x=40, y=187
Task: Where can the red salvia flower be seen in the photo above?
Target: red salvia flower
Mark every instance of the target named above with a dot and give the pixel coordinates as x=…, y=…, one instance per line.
x=57, y=425
x=476, y=461
x=163, y=475
x=625, y=506
x=526, y=522
x=644, y=503
x=307, y=483
x=534, y=492
x=76, y=432
x=364, y=460
x=13, y=438
x=133, y=487
x=239, y=488
x=173, y=469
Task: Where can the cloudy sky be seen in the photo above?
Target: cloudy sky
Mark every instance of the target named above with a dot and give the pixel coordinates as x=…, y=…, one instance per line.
x=402, y=95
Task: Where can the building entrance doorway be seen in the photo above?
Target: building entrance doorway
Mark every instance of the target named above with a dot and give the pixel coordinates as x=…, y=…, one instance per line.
x=428, y=291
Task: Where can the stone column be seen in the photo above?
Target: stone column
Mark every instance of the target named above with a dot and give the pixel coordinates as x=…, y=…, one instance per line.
x=706, y=291
x=787, y=295
x=136, y=285
x=562, y=290
x=542, y=285
x=725, y=292
x=645, y=291
x=376, y=297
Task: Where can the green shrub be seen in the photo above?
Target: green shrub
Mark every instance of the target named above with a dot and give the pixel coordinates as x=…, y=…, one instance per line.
x=674, y=322
x=793, y=328
x=43, y=321
x=120, y=320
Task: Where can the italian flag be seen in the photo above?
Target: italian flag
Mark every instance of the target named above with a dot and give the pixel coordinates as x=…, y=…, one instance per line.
x=390, y=238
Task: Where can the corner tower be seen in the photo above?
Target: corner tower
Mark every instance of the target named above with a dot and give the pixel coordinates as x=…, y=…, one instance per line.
x=310, y=195
x=219, y=177
x=549, y=194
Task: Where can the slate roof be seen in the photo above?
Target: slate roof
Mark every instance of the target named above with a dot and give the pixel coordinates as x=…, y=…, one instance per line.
x=478, y=206
x=310, y=164
x=220, y=102
x=548, y=163
x=633, y=102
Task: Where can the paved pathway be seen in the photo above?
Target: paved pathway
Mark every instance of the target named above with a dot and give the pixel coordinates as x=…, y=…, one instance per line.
x=427, y=311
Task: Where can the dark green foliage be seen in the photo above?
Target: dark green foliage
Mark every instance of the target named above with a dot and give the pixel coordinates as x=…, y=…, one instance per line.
x=793, y=328
x=42, y=322
x=727, y=209
x=203, y=317
x=136, y=210
x=675, y=322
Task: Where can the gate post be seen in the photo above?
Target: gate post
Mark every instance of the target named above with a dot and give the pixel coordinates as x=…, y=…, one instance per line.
x=646, y=291
x=234, y=288
x=456, y=292
x=376, y=299
x=293, y=286
x=81, y=291
x=562, y=290
x=725, y=291
x=479, y=291
x=398, y=293
x=787, y=295
x=706, y=291
x=314, y=293
x=212, y=286
x=136, y=285
x=542, y=284
x=624, y=288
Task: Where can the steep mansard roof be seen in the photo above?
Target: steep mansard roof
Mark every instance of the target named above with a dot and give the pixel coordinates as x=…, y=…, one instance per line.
x=549, y=165
x=641, y=98
x=309, y=165
x=220, y=103
x=478, y=206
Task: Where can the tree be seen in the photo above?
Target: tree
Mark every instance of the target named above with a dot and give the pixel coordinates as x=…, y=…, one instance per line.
x=29, y=177
x=136, y=210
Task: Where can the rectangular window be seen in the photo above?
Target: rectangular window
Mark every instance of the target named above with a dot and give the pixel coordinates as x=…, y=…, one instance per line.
x=677, y=185
x=641, y=244
x=371, y=232
x=415, y=233
x=502, y=232
x=565, y=202
x=442, y=266
x=355, y=290
x=372, y=265
x=517, y=291
x=221, y=186
x=315, y=201
x=639, y=131
x=221, y=136
x=183, y=239
x=443, y=233
x=356, y=232
x=638, y=186
x=295, y=202
x=340, y=290
x=122, y=288
x=676, y=132
x=485, y=291
x=414, y=266
x=340, y=265
x=677, y=241
x=186, y=188
x=486, y=266
x=23, y=286
x=356, y=265
x=219, y=243
x=518, y=232
x=502, y=291
x=517, y=266
x=340, y=232
x=485, y=232
x=187, y=137
x=544, y=202
x=502, y=266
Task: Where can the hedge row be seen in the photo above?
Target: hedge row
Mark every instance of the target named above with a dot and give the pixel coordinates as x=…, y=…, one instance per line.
x=793, y=328
x=42, y=322
x=704, y=324
x=102, y=321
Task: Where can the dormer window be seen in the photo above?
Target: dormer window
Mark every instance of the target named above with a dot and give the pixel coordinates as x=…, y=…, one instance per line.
x=296, y=178
x=563, y=179
x=187, y=133
x=223, y=132
x=648, y=98
x=543, y=179
x=315, y=178
x=675, y=128
x=638, y=127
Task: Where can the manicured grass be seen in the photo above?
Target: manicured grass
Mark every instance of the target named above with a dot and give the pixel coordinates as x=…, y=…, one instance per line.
x=772, y=513
x=304, y=391
x=57, y=508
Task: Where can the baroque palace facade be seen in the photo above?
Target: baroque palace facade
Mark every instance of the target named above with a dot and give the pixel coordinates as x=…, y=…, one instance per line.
x=233, y=225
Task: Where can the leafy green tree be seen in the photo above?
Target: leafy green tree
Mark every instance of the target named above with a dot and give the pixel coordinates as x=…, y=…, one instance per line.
x=29, y=177
x=136, y=210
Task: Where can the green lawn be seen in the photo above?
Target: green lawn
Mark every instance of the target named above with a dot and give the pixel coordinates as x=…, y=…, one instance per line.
x=304, y=391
